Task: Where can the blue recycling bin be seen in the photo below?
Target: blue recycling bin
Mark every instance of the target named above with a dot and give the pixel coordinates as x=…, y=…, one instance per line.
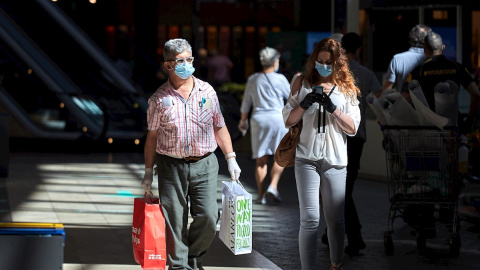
x=36, y=246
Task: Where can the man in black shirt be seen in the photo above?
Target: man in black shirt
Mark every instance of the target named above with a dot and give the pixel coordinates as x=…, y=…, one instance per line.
x=437, y=68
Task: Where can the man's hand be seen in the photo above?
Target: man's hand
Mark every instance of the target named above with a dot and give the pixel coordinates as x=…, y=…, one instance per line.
x=233, y=169
x=147, y=181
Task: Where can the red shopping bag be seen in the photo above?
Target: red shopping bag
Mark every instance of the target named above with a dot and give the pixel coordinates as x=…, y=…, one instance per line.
x=148, y=234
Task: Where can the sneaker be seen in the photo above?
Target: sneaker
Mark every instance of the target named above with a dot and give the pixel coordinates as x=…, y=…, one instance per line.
x=272, y=192
x=261, y=199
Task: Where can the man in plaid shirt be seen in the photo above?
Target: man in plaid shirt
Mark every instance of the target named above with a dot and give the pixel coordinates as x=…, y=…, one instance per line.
x=185, y=125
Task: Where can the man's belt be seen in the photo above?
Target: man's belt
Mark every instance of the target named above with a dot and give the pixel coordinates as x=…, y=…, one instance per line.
x=195, y=158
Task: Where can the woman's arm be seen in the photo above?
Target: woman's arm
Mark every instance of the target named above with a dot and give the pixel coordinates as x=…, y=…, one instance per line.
x=344, y=121
x=295, y=115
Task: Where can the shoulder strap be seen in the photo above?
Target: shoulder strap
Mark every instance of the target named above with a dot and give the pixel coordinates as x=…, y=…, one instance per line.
x=268, y=80
x=274, y=90
x=301, y=77
x=331, y=90
x=324, y=114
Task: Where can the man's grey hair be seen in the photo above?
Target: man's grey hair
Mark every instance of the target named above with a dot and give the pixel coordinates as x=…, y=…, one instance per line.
x=268, y=56
x=434, y=42
x=174, y=47
x=417, y=35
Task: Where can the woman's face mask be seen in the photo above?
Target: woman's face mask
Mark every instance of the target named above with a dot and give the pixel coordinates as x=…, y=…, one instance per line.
x=184, y=70
x=323, y=70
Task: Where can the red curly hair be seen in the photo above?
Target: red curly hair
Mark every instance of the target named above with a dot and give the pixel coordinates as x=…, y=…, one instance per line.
x=341, y=74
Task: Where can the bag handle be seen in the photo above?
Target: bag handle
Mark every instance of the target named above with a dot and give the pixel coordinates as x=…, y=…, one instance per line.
x=293, y=83
x=301, y=77
x=148, y=198
x=238, y=182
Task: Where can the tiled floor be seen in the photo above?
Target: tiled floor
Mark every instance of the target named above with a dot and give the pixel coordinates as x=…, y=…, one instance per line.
x=92, y=195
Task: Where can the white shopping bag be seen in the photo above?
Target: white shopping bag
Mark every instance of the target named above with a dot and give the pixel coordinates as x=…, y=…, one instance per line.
x=236, y=222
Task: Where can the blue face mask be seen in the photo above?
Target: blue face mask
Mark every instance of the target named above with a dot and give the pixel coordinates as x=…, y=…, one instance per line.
x=277, y=62
x=184, y=70
x=323, y=70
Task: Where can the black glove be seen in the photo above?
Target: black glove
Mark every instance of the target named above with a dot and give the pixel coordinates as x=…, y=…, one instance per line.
x=309, y=99
x=327, y=103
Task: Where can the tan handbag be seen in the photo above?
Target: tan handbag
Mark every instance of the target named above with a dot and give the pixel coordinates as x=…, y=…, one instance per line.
x=286, y=149
x=285, y=153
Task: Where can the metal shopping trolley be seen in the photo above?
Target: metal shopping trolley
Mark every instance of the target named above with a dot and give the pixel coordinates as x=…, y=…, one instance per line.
x=422, y=180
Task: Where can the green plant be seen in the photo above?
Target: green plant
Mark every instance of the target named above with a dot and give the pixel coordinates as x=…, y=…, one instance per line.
x=234, y=89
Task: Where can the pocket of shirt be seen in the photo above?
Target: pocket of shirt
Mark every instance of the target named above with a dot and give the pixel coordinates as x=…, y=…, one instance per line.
x=168, y=114
x=205, y=116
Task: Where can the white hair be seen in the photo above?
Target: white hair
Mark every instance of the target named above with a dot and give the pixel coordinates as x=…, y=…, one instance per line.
x=268, y=56
x=174, y=47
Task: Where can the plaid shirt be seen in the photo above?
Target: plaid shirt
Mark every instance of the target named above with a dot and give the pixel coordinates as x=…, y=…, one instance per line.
x=185, y=127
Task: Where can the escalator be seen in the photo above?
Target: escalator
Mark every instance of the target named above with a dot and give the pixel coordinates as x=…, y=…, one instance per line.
x=55, y=83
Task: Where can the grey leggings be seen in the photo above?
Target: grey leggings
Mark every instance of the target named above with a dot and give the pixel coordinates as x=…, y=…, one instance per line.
x=311, y=177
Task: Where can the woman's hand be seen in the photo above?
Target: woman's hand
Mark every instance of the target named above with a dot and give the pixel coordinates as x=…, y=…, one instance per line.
x=309, y=99
x=243, y=126
x=327, y=103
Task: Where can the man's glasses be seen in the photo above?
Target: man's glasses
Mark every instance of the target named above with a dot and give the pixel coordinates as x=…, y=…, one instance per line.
x=179, y=61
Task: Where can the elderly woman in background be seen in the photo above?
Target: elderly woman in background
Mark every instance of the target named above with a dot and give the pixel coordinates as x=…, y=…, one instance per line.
x=265, y=95
x=329, y=115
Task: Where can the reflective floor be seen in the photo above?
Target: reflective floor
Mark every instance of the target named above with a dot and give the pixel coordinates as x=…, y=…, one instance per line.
x=92, y=196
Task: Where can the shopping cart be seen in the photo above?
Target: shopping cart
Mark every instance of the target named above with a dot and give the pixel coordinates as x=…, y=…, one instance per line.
x=422, y=178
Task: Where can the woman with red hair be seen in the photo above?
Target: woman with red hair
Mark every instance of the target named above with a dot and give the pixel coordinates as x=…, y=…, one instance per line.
x=326, y=99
